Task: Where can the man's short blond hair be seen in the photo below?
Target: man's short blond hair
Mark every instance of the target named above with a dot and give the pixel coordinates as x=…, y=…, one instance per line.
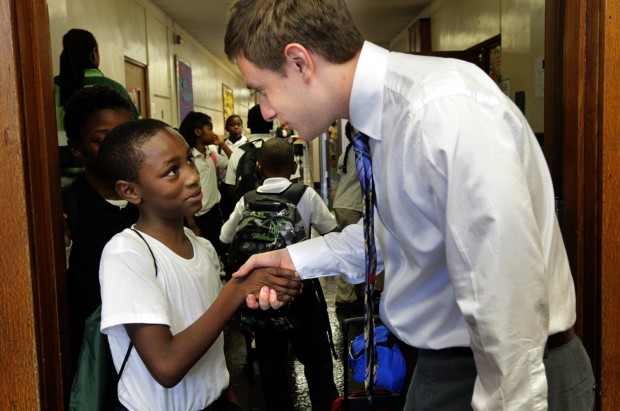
x=260, y=30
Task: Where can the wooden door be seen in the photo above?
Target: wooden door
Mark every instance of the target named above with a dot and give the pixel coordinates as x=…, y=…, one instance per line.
x=136, y=85
x=31, y=240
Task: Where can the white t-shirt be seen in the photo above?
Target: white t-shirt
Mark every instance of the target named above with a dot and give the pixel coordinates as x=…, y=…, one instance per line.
x=181, y=292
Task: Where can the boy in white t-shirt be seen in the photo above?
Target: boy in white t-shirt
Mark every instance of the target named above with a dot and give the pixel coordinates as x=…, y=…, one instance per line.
x=170, y=305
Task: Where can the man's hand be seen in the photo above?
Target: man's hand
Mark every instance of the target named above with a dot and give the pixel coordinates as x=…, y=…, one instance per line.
x=267, y=287
x=266, y=298
x=277, y=258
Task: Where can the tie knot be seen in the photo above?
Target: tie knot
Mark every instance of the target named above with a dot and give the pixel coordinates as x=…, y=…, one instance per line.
x=360, y=137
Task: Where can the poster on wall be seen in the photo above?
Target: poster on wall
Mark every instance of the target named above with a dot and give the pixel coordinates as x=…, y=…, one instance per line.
x=186, y=94
x=228, y=100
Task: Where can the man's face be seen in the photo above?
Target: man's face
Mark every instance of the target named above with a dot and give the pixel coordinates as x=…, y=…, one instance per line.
x=290, y=97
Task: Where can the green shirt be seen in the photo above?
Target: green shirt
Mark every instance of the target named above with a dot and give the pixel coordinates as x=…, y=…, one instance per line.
x=92, y=77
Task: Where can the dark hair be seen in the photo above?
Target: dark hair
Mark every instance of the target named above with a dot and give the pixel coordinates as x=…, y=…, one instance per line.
x=121, y=155
x=276, y=157
x=77, y=46
x=231, y=117
x=192, y=121
x=256, y=122
x=260, y=29
x=88, y=101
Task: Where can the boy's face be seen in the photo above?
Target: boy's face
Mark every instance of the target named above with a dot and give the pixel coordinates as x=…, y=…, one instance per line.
x=168, y=182
x=93, y=132
x=294, y=98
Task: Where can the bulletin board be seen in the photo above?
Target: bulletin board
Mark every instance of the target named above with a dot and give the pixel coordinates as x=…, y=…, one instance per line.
x=185, y=90
x=228, y=100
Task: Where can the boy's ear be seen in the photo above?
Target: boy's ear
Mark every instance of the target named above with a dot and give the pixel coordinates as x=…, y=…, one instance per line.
x=128, y=191
x=299, y=59
x=75, y=148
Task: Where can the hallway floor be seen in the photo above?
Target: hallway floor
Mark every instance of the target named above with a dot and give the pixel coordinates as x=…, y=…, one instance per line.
x=247, y=382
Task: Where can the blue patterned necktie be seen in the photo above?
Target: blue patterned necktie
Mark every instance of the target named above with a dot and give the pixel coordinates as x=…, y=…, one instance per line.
x=363, y=163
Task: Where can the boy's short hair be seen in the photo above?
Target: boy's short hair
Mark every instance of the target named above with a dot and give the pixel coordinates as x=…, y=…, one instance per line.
x=276, y=156
x=260, y=29
x=121, y=155
x=256, y=123
x=88, y=101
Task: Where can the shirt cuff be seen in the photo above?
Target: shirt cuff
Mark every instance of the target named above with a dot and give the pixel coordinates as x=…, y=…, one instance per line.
x=304, y=257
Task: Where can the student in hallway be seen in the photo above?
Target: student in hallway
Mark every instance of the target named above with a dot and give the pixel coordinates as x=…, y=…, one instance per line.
x=310, y=340
x=476, y=272
x=160, y=283
x=79, y=67
x=260, y=132
x=197, y=130
x=95, y=211
x=234, y=128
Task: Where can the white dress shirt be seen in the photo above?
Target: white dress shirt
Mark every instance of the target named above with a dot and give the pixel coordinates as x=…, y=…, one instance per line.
x=472, y=249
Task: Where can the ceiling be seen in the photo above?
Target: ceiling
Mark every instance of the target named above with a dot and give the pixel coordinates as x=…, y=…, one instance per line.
x=378, y=20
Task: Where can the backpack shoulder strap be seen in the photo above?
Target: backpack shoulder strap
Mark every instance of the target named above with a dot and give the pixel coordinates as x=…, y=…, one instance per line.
x=120, y=372
x=294, y=193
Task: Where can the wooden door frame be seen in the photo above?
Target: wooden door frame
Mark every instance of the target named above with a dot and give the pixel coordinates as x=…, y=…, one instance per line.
x=32, y=240
x=32, y=288
x=581, y=61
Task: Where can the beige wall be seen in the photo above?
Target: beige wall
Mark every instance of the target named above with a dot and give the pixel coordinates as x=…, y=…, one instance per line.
x=139, y=30
x=458, y=25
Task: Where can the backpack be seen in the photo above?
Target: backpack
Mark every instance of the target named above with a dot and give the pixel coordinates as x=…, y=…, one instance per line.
x=247, y=177
x=391, y=367
x=269, y=222
x=96, y=381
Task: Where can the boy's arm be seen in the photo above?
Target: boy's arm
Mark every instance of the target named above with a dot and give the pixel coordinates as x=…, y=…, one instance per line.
x=169, y=357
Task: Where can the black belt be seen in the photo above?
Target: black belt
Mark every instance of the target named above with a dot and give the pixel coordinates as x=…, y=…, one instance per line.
x=554, y=341
x=561, y=338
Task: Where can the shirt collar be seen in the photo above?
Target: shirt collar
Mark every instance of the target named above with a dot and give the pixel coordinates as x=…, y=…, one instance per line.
x=93, y=72
x=366, y=103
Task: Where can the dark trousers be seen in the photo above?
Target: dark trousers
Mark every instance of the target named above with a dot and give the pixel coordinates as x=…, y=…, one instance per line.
x=210, y=224
x=311, y=347
x=444, y=380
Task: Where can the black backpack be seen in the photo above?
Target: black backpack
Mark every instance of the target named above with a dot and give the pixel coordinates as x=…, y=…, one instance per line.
x=270, y=221
x=247, y=178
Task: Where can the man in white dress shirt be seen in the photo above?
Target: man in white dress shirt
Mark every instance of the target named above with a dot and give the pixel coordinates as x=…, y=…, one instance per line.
x=476, y=273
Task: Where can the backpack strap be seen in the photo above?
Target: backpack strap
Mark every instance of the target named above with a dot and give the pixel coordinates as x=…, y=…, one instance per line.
x=120, y=372
x=293, y=194
x=319, y=293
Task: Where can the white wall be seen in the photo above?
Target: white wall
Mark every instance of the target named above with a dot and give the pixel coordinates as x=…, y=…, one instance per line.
x=139, y=30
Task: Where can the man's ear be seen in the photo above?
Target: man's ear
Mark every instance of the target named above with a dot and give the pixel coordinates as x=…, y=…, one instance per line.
x=299, y=59
x=75, y=148
x=128, y=191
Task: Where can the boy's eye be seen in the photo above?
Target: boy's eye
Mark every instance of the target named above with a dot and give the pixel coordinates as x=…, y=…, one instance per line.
x=172, y=171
